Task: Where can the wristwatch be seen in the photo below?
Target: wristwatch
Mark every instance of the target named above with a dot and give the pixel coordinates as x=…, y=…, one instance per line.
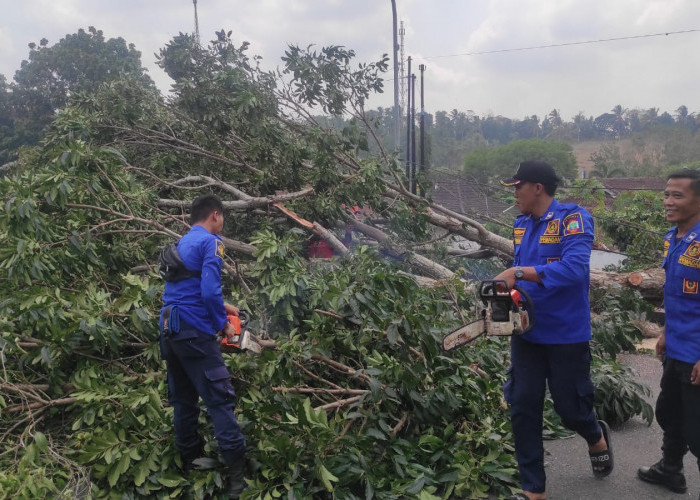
x=519, y=274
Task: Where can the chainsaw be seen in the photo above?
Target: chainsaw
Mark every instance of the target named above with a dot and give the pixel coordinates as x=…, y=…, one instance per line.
x=503, y=311
x=242, y=339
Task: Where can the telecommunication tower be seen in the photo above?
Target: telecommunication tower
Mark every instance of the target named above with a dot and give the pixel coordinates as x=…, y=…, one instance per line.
x=196, y=23
x=402, y=72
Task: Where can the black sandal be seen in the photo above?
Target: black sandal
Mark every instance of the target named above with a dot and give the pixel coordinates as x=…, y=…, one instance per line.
x=602, y=462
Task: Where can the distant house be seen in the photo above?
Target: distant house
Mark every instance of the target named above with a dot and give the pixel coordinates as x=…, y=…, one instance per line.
x=614, y=186
x=460, y=194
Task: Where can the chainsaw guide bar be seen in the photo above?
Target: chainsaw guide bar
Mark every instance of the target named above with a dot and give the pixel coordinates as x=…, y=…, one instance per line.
x=503, y=311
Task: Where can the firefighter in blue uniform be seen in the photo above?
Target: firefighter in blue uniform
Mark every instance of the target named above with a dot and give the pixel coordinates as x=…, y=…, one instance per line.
x=193, y=314
x=678, y=405
x=552, y=245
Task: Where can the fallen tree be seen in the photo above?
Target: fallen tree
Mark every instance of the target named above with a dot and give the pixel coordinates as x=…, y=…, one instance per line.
x=352, y=398
x=649, y=282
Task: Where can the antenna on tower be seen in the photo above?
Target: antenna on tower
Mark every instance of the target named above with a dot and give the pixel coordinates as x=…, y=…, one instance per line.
x=402, y=73
x=196, y=24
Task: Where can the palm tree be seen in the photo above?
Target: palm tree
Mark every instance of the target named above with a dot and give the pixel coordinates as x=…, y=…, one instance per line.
x=555, y=118
x=607, y=162
x=605, y=171
x=579, y=123
x=620, y=123
x=650, y=118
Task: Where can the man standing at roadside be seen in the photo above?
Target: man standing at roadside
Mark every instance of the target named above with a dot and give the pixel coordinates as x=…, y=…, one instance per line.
x=552, y=248
x=678, y=405
x=192, y=315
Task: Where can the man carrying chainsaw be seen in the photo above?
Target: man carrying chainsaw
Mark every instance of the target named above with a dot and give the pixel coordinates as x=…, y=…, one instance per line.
x=193, y=314
x=552, y=244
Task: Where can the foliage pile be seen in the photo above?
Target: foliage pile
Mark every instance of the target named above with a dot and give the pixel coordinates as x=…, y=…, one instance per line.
x=637, y=227
x=619, y=396
x=357, y=400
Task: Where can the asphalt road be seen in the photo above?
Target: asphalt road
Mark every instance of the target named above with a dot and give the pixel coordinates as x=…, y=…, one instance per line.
x=569, y=475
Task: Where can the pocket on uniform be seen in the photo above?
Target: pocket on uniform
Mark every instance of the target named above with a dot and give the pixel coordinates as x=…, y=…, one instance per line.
x=217, y=373
x=684, y=281
x=196, y=347
x=221, y=389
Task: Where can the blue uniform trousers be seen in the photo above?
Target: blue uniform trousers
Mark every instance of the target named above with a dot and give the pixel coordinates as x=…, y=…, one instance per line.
x=565, y=368
x=196, y=369
x=678, y=412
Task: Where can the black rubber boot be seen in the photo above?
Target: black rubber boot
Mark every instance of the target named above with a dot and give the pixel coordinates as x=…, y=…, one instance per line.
x=189, y=456
x=670, y=476
x=234, y=475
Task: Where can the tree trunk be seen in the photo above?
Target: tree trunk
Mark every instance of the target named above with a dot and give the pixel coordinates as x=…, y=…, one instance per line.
x=649, y=282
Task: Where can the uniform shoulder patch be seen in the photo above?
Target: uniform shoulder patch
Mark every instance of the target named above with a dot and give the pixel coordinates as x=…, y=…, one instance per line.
x=518, y=233
x=573, y=224
x=219, y=249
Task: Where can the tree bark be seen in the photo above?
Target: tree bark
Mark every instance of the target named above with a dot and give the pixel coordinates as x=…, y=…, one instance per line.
x=649, y=330
x=649, y=282
x=426, y=265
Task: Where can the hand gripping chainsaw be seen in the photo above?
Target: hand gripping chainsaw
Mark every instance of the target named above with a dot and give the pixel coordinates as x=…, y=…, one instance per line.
x=242, y=340
x=503, y=311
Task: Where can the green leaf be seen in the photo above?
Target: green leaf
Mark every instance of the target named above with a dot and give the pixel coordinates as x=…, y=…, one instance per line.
x=326, y=477
x=41, y=441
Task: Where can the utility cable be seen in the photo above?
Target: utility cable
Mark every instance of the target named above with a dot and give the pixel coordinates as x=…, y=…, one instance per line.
x=565, y=44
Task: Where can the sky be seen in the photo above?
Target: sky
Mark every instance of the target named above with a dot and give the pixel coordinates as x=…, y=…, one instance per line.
x=464, y=45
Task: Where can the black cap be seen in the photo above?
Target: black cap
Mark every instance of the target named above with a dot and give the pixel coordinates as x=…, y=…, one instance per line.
x=533, y=171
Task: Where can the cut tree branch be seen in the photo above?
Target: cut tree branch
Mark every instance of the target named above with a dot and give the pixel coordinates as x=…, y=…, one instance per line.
x=339, y=404
x=245, y=202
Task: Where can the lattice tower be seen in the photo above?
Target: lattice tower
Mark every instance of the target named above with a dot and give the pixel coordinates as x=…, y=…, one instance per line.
x=196, y=23
x=402, y=70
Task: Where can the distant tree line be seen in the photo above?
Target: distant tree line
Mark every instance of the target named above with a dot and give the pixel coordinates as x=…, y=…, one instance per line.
x=81, y=62
x=452, y=135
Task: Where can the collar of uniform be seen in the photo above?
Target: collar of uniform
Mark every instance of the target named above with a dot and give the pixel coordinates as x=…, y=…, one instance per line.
x=690, y=235
x=549, y=213
x=199, y=228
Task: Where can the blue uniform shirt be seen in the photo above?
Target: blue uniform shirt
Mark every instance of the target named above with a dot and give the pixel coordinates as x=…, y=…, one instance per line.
x=558, y=246
x=681, y=298
x=199, y=300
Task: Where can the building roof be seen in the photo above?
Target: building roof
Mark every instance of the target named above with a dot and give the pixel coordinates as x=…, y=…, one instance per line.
x=455, y=191
x=614, y=186
x=618, y=184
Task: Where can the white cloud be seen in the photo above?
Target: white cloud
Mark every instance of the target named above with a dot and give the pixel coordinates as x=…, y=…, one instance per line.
x=640, y=72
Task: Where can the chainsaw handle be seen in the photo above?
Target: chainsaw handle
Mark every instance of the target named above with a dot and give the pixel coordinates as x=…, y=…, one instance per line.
x=528, y=305
x=493, y=289
x=240, y=318
x=244, y=317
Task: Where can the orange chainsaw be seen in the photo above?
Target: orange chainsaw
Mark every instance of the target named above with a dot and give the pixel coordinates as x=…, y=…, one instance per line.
x=242, y=339
x=502, y=311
